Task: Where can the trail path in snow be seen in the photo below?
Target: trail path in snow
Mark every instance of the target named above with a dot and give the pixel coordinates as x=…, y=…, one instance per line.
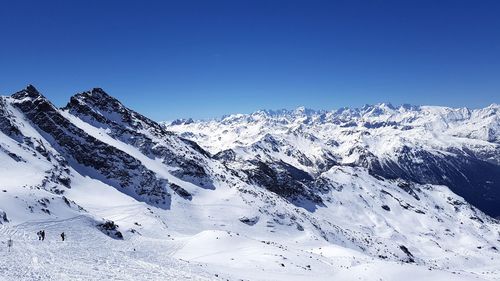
x=86, y=254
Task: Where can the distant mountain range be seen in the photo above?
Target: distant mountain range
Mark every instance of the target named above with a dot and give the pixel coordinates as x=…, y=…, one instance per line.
x=456, y=147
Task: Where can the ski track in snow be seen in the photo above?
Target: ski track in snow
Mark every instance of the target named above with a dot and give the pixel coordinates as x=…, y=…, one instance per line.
x=87, y=254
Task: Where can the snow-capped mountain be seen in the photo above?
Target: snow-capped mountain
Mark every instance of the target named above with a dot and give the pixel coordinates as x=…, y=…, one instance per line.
x=355, y=194
x=456, y=147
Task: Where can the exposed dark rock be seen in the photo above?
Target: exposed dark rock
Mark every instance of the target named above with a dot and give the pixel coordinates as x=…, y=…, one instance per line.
x=12, y=155
x=110, y=229
x=286, y=181
x=181, y=191
x=7, y=126
x=405, y=250
x=408, y=187
x=3, y=217
x=249, y=221
x=226, y=155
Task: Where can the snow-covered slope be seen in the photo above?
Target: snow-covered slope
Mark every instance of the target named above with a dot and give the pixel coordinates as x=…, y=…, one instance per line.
x=457, y=147
x=138, y=202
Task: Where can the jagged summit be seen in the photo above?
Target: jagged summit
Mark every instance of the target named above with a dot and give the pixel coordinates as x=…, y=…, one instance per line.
x=29, y=92
x=304, y=112
x=99, y=106
x=96, y=94
x=299, y=111
x=97, y=98
x=32, y=89
x=289, y=115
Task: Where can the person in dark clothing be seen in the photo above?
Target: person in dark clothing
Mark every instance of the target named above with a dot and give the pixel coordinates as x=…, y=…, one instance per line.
x=39, y=234
x=63, y=236
x=43, y=234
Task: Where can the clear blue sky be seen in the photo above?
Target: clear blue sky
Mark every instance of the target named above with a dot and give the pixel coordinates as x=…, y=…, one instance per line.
x=174, y=59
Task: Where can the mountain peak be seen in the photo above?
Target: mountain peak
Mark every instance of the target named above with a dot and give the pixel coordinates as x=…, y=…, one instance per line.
x=96, y=97
x=99, y=91
x=98, y=105
x=299, y=111
x=29, y=92
x=31, y=88
x=96, y=94
x=302, y=110
x=494, y=105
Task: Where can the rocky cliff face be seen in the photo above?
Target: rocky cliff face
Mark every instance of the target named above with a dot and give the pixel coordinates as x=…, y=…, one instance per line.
x=103, y=111
x=89, y=155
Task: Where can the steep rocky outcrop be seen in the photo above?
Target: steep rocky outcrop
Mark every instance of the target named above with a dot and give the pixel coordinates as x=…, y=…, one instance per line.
x=91, y=156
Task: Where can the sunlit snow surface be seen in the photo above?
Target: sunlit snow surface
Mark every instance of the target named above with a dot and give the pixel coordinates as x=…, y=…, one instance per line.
x=350, y=237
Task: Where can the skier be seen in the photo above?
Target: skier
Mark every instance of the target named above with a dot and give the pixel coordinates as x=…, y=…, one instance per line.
x=63, y=236
x=10, y=243
x=43, y=234
x=39, y=234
